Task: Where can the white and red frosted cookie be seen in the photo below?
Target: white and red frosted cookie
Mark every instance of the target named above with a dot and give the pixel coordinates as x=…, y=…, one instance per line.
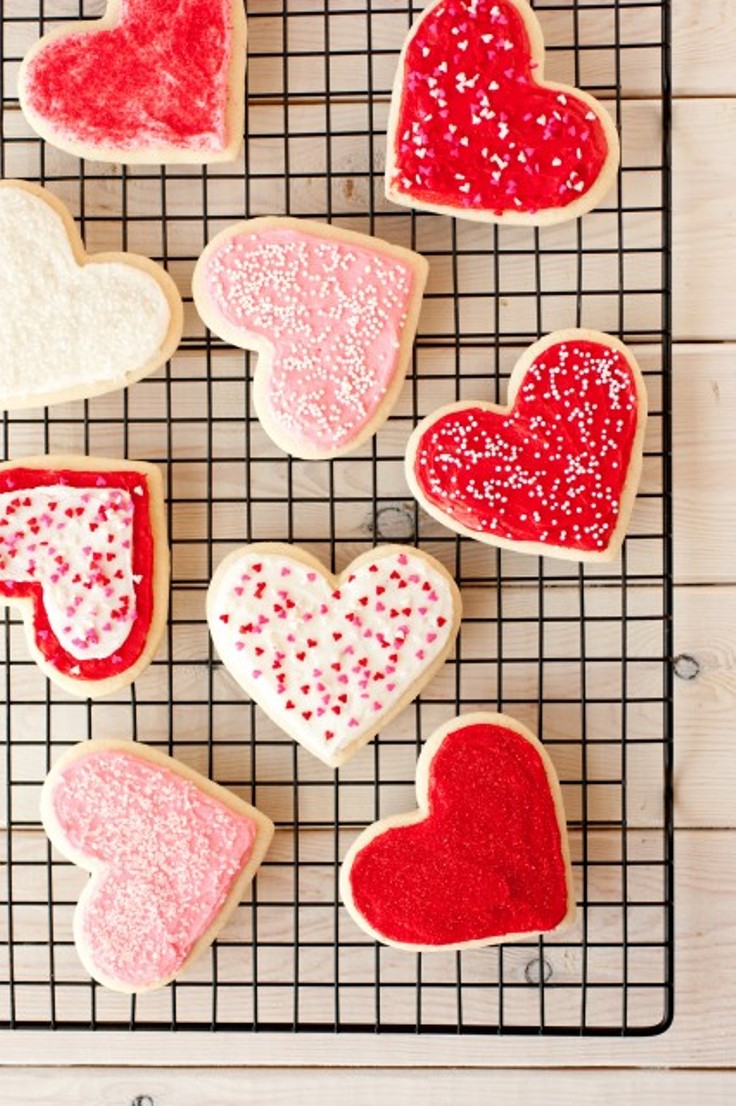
x=475, y=131
x=332, y=315
x=83, y=555
x=170, y=855
x=74, y=325
x=555, y=472
x=332, y=659
x=483, y=861
x=152, y=81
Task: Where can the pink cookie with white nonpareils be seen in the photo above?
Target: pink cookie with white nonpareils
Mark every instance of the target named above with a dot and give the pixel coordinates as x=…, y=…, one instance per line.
x=332, y=659
x=332, y=315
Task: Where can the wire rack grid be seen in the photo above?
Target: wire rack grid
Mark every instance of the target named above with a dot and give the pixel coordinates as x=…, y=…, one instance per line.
x=581, y=654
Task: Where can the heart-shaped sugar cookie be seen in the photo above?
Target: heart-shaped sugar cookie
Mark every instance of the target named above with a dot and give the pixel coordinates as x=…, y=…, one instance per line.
x=332, y=315
x=74, y=325
x=553, y=473
x=330, y=658
x=152, y=81
x=170, y=854
x=475, y=131
x=485, y=858
x=83, y=554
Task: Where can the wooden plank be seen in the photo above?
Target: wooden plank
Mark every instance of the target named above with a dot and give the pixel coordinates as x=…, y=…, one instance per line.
x=702, y=1034
x=703, y=45
x=143, y=1087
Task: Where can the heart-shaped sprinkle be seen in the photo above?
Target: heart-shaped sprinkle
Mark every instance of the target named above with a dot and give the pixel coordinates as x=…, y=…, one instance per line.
x=326, y=377
x=340, y=682
x=477, y=133
x=151, y=81
x=69, y=328
x=170, y=854
x=89, y=582
x=556, y=471
x=486, y=858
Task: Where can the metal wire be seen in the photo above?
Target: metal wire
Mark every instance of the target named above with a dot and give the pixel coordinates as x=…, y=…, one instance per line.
x=580, y=654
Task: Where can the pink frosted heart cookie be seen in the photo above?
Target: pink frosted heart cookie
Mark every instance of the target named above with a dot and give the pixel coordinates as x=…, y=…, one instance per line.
x=332, y=315
x=555, y=472
x=83, y=555
x=152, y=81
x=331, y=658
x=484, y=859
x=169, y=852
x=73, y=324
x=475, y=131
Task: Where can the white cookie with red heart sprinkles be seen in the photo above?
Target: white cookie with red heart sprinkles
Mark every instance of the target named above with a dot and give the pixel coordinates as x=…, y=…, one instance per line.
x=554, y=472
x=332, y=658
x=475, y=130
x=170, y=855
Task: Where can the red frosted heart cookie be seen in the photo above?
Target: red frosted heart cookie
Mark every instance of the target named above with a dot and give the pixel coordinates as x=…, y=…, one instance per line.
x=170, y=854
x=332, y=659
x=485, y=858
x=83, y=554
x=332, y=315
x=153, y=81
x=553, y=473
x=476, y=132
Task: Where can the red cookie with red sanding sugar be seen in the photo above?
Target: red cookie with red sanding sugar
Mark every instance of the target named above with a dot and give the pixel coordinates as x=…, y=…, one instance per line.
x=476, y=132
x=152, y=81
x=484, y=860
x=83, y=555
x=555, y=472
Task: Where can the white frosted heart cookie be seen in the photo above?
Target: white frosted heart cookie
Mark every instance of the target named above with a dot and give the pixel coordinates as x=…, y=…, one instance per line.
x=83, y=556
x=169, y=852
x=332, y=659
x=332, y=315
x=152, y=81
x=74, y=325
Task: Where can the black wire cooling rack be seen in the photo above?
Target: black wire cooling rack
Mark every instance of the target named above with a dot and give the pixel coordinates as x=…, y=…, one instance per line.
x=581, y=654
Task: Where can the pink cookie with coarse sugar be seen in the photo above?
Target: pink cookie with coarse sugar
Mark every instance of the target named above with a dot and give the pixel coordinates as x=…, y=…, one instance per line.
x=170, y=856
x=152, y=81
x=332, y=659
x=332, y=315
x=555, y=472
x=475, y=130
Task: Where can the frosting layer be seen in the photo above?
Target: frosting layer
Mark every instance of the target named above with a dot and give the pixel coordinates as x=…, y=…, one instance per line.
x=64, y=325
x=551, y=471
x=328, y=664
x=475, y=130
x=331, y=312
x=171, y=854
x=80, y=545
x=158, y=78
x=486, y=862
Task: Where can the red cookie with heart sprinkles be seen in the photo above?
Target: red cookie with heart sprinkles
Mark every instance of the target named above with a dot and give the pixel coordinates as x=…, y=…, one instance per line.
x=83, y=555
x=170, y=855
x=476, y=132
x=484, y=860
x=332, y=658
x=152, y=82
x=555, y=472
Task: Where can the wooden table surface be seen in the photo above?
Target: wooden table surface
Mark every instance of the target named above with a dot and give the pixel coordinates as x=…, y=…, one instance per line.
x=695, y=1057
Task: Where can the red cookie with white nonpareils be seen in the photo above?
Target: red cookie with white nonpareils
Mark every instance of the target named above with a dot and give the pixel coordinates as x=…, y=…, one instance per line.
x=484, y=860
x=553, y=473
x=83, y=554
x=332, y=659
x=475, y=131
